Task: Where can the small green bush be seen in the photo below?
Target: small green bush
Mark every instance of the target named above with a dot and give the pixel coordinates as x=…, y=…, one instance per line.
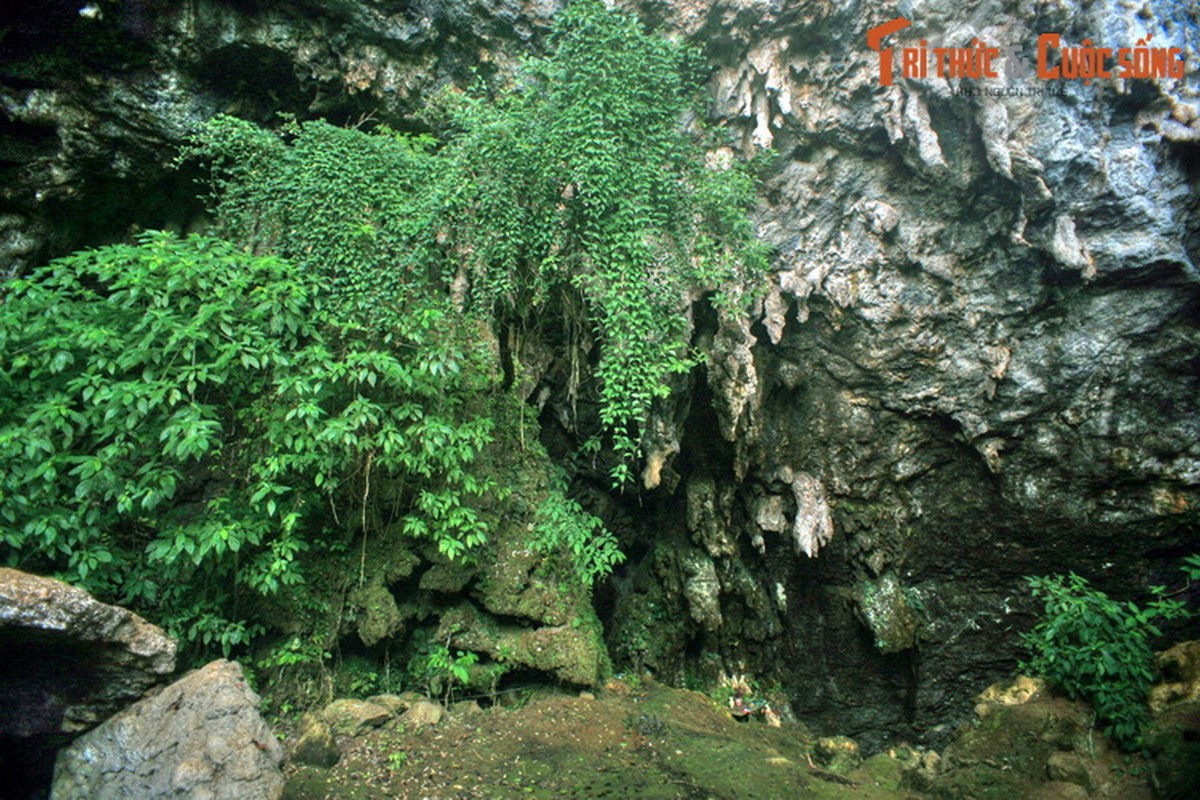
x=562, y=526
x=1098, y=649
x=442, y=670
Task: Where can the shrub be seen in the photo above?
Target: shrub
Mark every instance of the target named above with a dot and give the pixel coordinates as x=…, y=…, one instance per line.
x=562, y=526
x=179, y=420
x=350, y=207
x=1098, y=649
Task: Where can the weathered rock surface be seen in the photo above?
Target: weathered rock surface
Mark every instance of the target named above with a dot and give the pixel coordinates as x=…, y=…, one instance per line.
x=423, y=714
x=109, y=656
x=201, y=737
x=314, y=744
x=975, y=357
x=69, y=662
x=1179, y=669
x=573, y=653
x=978, y=347
x=349, y=716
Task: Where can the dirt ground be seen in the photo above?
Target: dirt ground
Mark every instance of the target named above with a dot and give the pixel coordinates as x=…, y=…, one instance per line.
x=652, y=743
x=644, y=741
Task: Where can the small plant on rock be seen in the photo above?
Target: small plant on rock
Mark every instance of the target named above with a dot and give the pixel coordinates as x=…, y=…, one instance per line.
x=445, y=670
x=1099, y=649
x=562, y=525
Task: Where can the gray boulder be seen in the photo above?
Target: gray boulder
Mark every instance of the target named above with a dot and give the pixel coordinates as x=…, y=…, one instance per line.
x=200, y=738
x=69, y=662
x=108, y=656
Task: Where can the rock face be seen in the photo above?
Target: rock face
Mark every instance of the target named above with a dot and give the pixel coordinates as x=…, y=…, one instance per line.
x=201, y=737
x=94, y=105
x=69, y=662
x=975, y=357
x=978, y=347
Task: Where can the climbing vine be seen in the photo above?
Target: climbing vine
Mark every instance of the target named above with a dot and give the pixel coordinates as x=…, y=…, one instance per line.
x=577, y=191
x=582, y=181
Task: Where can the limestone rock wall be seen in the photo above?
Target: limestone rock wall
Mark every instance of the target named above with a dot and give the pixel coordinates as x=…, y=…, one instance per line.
x=975, y=357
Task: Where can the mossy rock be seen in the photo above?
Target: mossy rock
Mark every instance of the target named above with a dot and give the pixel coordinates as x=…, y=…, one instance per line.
x=838, y=753
x=511, y=585
x=447, y=577
x=574, y=652
x=314, y=744
x=379, y=616
x=351, y=717
x=1173, y=741
x=891, y=611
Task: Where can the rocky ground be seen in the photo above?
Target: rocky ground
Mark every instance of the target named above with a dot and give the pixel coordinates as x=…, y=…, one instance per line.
x=646, y=740
x=203, y=736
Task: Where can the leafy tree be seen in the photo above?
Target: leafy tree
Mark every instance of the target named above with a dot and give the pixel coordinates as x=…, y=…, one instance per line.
x=179, y=420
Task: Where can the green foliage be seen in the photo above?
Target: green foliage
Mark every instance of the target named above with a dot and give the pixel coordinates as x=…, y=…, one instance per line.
x=180, y=420
x=561, y=525
x=361, y=676
x=1099, y=649
x=575, y=193
x=293, y=652
x=352, y=207
x=183, y=420
x=1191, y=567
x=442, y=671
x=579, y=188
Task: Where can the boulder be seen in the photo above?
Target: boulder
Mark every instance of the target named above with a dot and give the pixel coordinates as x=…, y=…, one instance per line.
x=1069, y=768
x=573, y=652
x=110, y=656
x=200, y=738
x=396, y=703
x=69, y=662
x=1173, y=742
x=838, y=753
x=1180, y=671
x=351, y=717
x=314, y=744
x=423, y=713
x=1021, y=690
